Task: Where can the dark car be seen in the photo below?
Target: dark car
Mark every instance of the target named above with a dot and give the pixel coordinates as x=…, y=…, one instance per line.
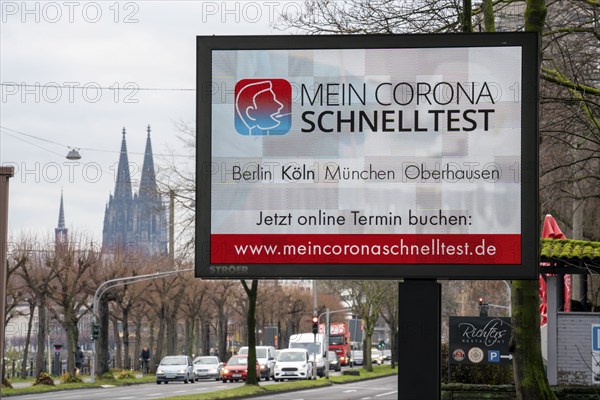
x=334, y=361
x=236, y=369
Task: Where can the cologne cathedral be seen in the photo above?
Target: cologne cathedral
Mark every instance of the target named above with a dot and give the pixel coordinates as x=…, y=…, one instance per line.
x=135, y=222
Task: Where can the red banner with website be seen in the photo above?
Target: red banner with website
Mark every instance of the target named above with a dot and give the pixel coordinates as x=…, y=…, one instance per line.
x=365, y=249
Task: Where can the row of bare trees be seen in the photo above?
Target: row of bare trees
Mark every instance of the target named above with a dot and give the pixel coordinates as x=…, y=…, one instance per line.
x=171, y=315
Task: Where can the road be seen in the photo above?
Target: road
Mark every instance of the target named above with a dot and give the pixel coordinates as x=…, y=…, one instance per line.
x=138, y=392
x=380, y=389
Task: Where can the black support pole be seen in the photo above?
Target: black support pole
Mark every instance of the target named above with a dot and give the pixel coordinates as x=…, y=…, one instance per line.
x=419, y=349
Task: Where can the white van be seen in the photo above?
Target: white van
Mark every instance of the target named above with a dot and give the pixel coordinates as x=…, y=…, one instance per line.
x=316, y=349
x=293, y=364
x=265, y=355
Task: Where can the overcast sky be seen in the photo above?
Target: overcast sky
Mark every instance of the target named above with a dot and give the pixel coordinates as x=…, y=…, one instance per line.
x=98, y=46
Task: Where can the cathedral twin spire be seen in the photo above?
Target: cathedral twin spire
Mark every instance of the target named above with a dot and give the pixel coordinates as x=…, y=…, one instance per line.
x=148, y=187
x=141, y=218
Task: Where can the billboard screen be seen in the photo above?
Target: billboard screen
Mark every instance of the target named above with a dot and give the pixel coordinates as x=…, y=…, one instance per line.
x=367, y=156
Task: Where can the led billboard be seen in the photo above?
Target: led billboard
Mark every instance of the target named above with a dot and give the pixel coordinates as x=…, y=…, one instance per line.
x=367, y=156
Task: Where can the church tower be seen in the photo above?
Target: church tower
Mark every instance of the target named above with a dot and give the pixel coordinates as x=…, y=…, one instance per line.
x=151, y=210
x=135, y=221
x=61, y=233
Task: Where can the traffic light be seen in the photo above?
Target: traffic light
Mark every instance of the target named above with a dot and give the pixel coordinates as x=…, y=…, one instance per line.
x=315, y=321
x=95, y=331
x=483, y=308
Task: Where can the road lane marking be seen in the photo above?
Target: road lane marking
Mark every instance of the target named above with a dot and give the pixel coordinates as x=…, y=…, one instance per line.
x=366, y=398
x=349, y=391
x=386, y=394
x=125, y=398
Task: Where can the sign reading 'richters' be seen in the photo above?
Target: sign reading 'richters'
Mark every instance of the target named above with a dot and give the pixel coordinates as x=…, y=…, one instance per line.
x=479, y=340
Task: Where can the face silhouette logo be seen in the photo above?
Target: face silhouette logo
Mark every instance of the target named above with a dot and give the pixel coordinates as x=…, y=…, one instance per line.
x=263, y=107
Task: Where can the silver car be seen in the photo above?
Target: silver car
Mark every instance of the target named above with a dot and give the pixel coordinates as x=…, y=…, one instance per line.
x=208, y=367
x=175, y=368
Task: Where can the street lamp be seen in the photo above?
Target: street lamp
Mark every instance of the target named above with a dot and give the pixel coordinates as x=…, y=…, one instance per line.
x=5, y=174
x=73, y=154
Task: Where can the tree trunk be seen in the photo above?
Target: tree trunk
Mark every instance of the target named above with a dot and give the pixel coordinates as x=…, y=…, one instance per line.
x=393, y=344
x=40, y=364
x=206, y=338
x=72, y=338
x=531, y=382
x=137, y=349
x=172, y=334
x=27, y=341
x=160, y=336
x=467, y=17
x=151, y=342
x=102, y=344
x=578, y=281
x=488, y=16
x=189, y=333
x=367, y=360
x=252, y=291
x=126, y=355
x=198, y=338
x=23, y=372
x=221, y=331
x=118, y=356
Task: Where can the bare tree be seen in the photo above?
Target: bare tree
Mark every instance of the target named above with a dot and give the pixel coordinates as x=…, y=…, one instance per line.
x=73, y=262
x=366, y=298
x=32, y=255
x=164, y=296
x=222, y=294
x=193, y=303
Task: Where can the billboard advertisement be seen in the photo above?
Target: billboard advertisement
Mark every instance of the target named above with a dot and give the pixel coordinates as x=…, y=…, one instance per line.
x=367, y=156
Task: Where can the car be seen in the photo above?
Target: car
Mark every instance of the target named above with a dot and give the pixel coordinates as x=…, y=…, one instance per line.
x=208, y=367
x=334, y=361
x=175, y=368
x=387, y=355
x=236, y=369
x=357, y=357
x=265, y=355
x=293, y=364
x=376, y=356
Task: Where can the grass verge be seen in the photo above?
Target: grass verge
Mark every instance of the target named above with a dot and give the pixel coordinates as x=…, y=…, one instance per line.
x=379, y=371
x=70, y=386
